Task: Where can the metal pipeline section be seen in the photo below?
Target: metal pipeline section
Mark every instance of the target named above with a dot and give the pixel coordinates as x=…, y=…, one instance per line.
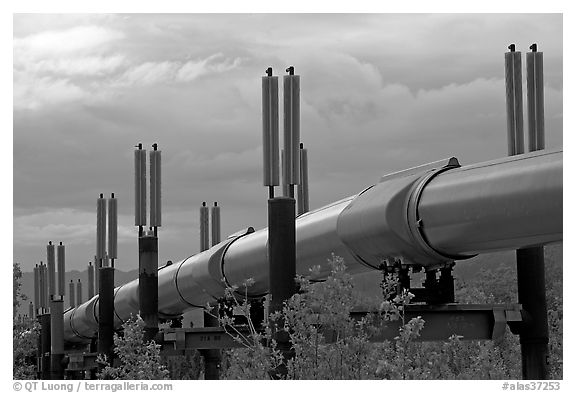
x=428, y=215
x=497, y=205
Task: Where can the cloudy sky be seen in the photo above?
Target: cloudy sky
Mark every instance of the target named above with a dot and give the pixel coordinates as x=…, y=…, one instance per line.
x=379, y=93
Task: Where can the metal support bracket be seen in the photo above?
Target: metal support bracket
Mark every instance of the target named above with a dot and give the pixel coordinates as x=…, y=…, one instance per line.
x=469, y=321
x=179, y=341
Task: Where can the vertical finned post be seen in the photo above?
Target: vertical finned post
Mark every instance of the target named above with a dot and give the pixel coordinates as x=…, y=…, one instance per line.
x=303, y=199
x=36, y=290
x=100, y=227
x=513, y=77
x=148, y=284
x=534, y=336
x=270, y=133
x=42, y=282
x=204, y=232
x=140, y=188
x=57, y=337
x=45, y=289
x=285, y=185
x=304, y=180
x=97, y=266
x=282, y=266
x=215, y=214
x=292, y=129
x=72, y=294
x=155, y=188
x=112, y=229
x=61, y=269
x=100, y=239
x=535, y=98
x=90, y=280
x=106, y=313
x=79, y=292
x=51, y=263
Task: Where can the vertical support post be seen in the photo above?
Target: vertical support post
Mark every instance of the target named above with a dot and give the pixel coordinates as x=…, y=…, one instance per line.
x=282, y=267
x=36, y=289
x=39, y=345
x=292, y=129
x=257, y=312
x=148, y=284
x=43, y=284
x=215, y=224
x=72, y=294
x=534, y=335
x=90, y=280
x=30, y=310
x=45, y=288
x=112, y=229
x=155, y=188
x=446, y=283
x=212, y=357
x=270, y=135
x=106, y=314
x=45, y=334
x=535, y=98
x=51, y=263
x=140, y=188
x=204, y=233
x=79, y=292
x=100, y=227
x=61, y=269
x=303, y=198
x=97, y=266
x=57, y=337
x=285, y=186
x=513, y=77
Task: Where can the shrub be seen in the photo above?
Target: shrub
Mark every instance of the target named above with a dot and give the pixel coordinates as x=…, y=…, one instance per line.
x=138, y=360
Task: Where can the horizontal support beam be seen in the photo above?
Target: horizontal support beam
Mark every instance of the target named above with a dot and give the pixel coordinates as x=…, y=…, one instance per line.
x=470, y=321
x=177, y=340
x=81, y=361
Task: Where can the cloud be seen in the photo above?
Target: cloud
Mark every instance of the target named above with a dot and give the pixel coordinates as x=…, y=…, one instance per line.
x=151, y=73
x=51, y=67
x=52, y=43
x=73, y=226
x=37, y=92
x=78, y=66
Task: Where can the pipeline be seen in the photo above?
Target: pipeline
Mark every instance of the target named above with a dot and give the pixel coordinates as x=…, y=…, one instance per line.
x=429, y=216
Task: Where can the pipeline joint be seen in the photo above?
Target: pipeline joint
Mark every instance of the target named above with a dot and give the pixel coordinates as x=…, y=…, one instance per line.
x=415, y=222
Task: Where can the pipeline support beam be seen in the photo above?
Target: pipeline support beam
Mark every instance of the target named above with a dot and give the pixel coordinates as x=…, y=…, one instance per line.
x=212, y=357
x=148, y=285
x=106, y=314
x=57, y=337
x=45, y=335
x=281, y=268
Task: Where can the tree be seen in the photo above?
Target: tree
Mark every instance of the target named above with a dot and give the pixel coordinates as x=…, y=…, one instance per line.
x=138, y=360
x=24, y=333
x=18, y=296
